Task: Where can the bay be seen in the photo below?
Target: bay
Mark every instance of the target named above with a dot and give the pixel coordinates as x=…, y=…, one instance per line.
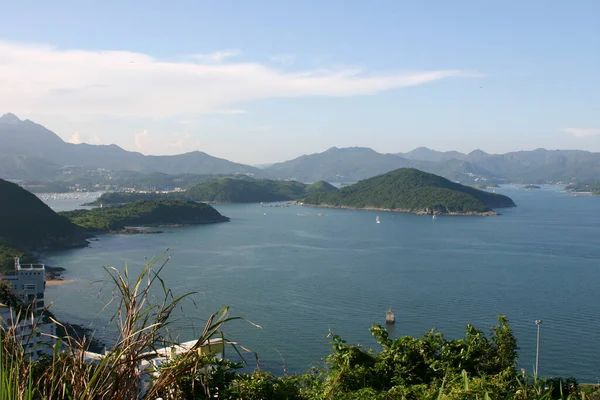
x=298, y=275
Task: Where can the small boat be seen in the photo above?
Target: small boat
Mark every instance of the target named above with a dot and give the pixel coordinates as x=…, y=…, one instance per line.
x=377, y=219
x=434, y=216
x=320, y=214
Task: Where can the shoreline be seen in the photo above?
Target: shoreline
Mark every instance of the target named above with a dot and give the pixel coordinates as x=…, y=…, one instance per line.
x=54, y=274
x=401, y=210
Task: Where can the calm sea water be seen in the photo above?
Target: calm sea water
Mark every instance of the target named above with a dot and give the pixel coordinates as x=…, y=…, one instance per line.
x=298, y=275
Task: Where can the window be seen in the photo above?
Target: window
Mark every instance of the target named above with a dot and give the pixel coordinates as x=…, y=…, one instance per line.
x=29, y=286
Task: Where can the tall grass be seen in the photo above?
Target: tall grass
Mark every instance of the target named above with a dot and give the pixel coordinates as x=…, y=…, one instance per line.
x=142, y=320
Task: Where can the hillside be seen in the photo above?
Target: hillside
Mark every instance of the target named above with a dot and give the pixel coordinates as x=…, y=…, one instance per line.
x=337, y=165
x=425, y=154
x=320, y=186
x=145, y=213
x=411, y=190
x=227, y=190
x=27, y=145
x=27, y=224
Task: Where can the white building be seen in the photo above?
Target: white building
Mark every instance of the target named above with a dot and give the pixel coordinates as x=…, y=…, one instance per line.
x=28, y=283
x=37, y=337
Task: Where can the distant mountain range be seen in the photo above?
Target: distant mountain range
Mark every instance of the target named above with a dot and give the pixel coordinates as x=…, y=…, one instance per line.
x=30, y=152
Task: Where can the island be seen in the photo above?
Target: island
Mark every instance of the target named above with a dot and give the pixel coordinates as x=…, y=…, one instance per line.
x=413, y=191
x=486, y=186
x=144, y=213
x=29, y=226
x=589, y=188
x=527, y=187
x=226, y=190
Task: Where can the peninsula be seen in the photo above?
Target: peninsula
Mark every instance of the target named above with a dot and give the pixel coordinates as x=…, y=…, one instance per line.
x=144, y=213
x=413, y=191
x=29, y=226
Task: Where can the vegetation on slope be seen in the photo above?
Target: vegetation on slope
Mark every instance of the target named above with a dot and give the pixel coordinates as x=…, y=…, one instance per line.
x=27, y=224
x=411, y=190
x=230, y=190
x=145, y=212
x=227, y=190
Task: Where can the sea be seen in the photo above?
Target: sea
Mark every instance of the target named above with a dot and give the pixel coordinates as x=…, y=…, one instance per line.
x=299, y=275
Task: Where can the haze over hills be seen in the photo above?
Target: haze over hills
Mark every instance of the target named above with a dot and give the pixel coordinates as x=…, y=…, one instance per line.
x=26, y=144
x=30, y=152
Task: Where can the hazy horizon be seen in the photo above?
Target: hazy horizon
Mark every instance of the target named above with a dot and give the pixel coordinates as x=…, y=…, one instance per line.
x=259, y=85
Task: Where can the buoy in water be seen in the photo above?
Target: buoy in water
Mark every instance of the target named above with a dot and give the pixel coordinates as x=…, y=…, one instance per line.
x=390, y=317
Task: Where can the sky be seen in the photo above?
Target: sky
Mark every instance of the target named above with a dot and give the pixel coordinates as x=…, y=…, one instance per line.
x=266, y=81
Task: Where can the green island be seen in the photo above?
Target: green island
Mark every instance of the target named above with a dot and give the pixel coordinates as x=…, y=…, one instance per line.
x=29, y=226
x=413, y=191
x=531, y=187
x=144, y=213
x=227, y=190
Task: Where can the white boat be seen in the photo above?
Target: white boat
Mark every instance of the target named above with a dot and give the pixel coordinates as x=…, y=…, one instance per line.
x=377, y=219
x=434, y=216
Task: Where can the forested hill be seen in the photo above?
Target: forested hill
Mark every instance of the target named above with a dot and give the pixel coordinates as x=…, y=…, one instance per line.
x=145, y=213
x=411, y=190
x=27, y=224
x=228, y=190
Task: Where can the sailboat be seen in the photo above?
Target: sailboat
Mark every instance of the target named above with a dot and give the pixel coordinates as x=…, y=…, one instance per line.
x=377, y=219
x=434, y=216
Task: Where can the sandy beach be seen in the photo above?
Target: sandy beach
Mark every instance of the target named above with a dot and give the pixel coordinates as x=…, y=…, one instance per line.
x=57, y=282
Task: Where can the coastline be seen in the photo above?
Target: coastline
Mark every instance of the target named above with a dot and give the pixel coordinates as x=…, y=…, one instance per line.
x=401, y=210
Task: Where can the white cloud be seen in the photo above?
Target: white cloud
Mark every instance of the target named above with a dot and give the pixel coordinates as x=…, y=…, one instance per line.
x=284, y=59
x=581, y=132
x=139, y=139
x=74, y=138
x=217, y=56
x=77, y=138
x=48, y=81
x=172, y=143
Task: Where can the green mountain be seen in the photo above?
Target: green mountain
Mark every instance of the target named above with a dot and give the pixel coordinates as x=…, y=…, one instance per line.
x=27, y=224
x=227, y=190
x=145, y=213
x=320, y=186
x=411, y=190
x=232, y=190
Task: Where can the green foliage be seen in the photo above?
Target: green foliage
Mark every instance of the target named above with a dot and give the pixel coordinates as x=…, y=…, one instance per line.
x=230, y=190
x=412, y=190
x=145, y=212
x=227, y=190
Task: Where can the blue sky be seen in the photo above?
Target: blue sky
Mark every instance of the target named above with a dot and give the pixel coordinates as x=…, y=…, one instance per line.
x=266, y=81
